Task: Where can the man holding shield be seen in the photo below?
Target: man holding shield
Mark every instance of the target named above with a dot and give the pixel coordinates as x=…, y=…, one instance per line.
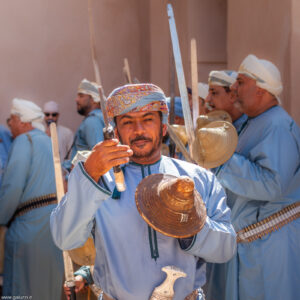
x=262, y=179
x=130, y=251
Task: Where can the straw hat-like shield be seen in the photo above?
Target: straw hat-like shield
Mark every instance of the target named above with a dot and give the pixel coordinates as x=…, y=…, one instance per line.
x=215, y=144
x=84, y=255
x=180, y=132
x=171, y=205
x=216, y=115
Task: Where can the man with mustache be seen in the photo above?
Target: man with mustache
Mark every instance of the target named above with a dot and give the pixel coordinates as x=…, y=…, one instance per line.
x=129, y=253
x=90, y=131
x=221, y=97
x=262, y=179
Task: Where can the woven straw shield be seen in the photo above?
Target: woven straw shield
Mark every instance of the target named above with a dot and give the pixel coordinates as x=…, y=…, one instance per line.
x=216, y=115
x=215, y=144
x=171, y=205
x=84, y=255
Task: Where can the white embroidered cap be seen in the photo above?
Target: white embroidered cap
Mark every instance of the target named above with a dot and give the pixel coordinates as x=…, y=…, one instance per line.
x=222, y=78
x=51, y=106
x=265, y=73
x=89, y=88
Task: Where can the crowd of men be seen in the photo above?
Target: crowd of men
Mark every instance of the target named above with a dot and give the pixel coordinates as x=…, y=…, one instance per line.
x=248, y=243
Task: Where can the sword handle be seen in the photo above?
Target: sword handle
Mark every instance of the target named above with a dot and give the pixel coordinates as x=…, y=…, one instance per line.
x=108, y=133
x=73, y=294
x=71, y=285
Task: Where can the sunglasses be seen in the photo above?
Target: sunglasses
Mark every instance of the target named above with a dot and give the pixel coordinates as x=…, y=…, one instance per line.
x=51, y=114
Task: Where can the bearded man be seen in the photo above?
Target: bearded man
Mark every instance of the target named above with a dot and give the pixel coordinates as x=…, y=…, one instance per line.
x=130, y=253
x=262, y=180
x=90, y=131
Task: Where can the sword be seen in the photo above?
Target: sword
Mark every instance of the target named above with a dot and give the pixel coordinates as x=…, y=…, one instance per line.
x=92, y=44
x=181, y=79
x=126, y=71
x=194, y=73
x=108, y=133
x=172, y=146
x=68, y=265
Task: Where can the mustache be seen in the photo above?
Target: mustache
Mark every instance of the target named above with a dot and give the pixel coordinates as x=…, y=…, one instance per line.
x=140, y=138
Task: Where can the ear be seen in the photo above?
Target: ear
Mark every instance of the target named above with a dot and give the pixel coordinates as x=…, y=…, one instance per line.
x=260, y=92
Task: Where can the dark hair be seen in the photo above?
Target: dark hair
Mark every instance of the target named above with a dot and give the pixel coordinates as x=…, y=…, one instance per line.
x=227, y=89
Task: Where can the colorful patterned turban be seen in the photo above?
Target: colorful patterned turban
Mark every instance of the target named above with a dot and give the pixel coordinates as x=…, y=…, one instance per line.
x=89, y=88
x=136, y=98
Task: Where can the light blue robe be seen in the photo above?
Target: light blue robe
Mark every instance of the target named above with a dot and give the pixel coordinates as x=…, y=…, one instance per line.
x=5, y=144
x=89, y=133
x=124, y=268
x=261, y=178
x=33, y=265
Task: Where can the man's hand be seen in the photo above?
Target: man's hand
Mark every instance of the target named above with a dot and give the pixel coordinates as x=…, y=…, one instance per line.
x=104, y=156
x=79, y=285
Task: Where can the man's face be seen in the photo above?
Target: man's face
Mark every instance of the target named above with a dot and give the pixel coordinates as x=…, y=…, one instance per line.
x=247, y=96
x=51, y=117
x=143, y=133
x=84, y=103
x=219, y=99
x=15, y=125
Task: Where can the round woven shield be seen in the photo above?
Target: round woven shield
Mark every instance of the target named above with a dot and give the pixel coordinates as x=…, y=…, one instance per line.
x=180, y=132
x=216, y=115
x=215, y=144
x=171, y=205
x=84, y=255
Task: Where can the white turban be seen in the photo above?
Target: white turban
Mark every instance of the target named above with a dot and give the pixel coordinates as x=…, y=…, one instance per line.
x=29, y=112
x=202, y=90
x=89, y=88
x=222, y=78
x=51, y=107
x=265, y=73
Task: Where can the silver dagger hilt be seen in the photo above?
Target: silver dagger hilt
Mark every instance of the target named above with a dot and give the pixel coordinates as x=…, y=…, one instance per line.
x=165, y=291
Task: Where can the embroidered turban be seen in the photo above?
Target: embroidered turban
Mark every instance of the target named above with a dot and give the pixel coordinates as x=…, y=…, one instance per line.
x=136, y=98
x=222, y=78
x=265, y=73
x=51, y=106
x=202, y=90
x=28, y=111
x=89, y=88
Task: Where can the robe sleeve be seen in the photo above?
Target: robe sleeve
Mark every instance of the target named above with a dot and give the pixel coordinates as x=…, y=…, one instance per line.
x=266, y=172
x=216, y=242
x=71, y=222
x=15, y=177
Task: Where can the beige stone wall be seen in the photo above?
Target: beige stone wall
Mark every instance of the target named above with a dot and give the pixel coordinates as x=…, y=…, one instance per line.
x=45, y=46
x=294, y=108
x=45, y=49
x=204, y=20
x=270, y=30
